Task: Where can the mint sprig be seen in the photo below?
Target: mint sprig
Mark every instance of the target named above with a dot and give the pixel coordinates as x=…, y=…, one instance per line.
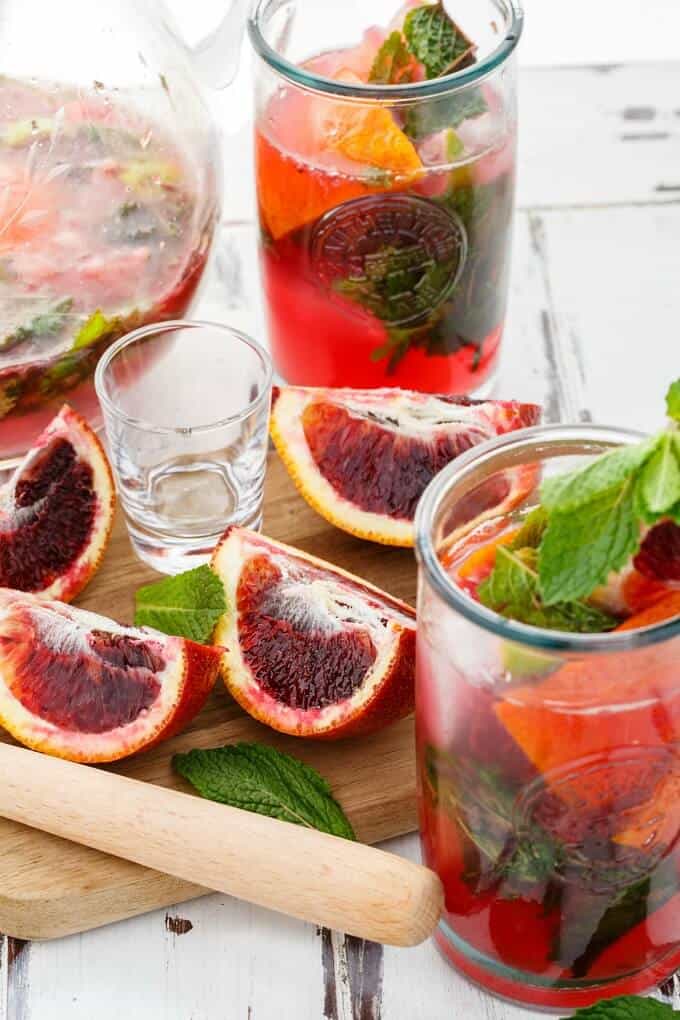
x=590, y=524
x=392, y=62
x=188, y=605
x=596, y=515
x=437, y=42
x=513, y=590
x=255, y=777
x=626, y=1007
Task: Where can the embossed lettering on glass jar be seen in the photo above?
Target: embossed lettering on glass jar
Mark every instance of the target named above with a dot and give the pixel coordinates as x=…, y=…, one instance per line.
x=402, y=254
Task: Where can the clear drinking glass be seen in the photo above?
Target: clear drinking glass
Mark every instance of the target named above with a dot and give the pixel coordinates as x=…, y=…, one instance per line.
x=549, y=763
x=385, y=210
x=186, y=410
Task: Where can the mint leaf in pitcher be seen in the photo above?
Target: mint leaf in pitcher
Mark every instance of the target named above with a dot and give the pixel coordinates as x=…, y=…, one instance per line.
x=256, y=777
x=437, y=41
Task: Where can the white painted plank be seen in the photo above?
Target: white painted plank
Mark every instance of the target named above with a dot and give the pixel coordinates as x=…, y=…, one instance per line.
x=592, y=136
x=615, y=306
x=236, y=962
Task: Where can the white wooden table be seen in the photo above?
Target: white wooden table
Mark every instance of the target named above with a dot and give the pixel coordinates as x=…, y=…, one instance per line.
x=594, y=334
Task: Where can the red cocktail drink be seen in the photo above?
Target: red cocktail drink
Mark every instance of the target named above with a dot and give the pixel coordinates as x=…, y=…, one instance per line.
x=549, y=761
x=386, y=213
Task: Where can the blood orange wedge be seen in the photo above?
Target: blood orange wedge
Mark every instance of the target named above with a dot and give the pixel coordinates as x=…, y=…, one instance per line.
x=311, y=650
x=56, y=511
x=363, y=458
x=368, y=134
x=318, y=153
x=79, y=686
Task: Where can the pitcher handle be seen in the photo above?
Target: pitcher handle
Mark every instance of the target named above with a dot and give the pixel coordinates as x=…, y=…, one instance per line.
x=215, y=57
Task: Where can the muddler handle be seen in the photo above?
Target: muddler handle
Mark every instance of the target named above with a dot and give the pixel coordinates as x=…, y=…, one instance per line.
x=328, y=881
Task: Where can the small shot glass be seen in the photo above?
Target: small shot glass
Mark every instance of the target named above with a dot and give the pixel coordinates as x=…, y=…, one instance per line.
x=186, y=411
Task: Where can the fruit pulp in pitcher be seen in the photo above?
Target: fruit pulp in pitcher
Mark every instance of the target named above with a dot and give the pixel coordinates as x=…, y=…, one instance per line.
x=102, y=229
x=385, y=237
x=549, y=806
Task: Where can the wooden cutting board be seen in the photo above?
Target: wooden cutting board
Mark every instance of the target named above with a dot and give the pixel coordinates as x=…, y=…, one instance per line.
x=50, y=887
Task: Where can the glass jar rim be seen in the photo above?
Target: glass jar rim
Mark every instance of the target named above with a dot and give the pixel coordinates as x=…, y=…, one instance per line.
x=110, y=353
x=415, y=90
x=538, y=439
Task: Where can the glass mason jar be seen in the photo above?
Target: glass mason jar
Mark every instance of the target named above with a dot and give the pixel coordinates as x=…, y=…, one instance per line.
x=549, y=762
x=385, y=210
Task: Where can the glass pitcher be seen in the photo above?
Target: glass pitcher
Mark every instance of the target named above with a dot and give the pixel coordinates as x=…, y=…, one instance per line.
x=109, y=190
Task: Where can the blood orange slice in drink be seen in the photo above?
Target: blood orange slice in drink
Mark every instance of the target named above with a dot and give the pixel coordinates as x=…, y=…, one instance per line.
x=363, y=458
x=79, y=686
x=338, y=146
x=309, y=649
x=56, y=511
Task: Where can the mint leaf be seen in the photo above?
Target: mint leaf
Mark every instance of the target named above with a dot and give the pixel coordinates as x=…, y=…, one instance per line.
x=660, y=479
x=532, y=530
x=512, y=589
x=478, y=797
x=255, y=777
x=188, y=605
x=626, y=1007
x=573, y=489
x=396, y=285
x=673, y=401
x=583, y=545
x=93, y=330
x=448, y=112
x=393, y=62
x=46, y=324
x=436, y=40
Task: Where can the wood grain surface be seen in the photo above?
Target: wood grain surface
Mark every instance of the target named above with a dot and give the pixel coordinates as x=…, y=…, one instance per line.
x=50, y=887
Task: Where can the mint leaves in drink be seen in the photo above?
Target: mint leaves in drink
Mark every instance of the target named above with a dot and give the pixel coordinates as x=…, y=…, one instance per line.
x=255, y=777
x=393, y=63
x=591, y=522
x=188, y=605
x=513, y=589
x=626, y=1007
x=436, y=41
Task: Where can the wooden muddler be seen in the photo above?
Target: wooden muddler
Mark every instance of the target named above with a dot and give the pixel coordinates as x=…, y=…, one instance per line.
x=319, y=878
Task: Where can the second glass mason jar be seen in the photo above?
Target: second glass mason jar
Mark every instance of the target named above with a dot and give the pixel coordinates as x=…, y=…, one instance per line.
x=385, y=209
x=549, y=762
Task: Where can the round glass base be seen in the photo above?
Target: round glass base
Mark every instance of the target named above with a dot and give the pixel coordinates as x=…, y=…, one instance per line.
x=175, y=555
x=529, y=990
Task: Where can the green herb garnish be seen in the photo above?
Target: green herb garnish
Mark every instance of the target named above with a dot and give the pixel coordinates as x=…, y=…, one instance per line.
x=46, y=324
x=255, y=777
x=392, y=62
x=188, y=605
x=513, y=590
x=592, y=523
x=626, y=1007
x=673, y=401
x=434, y=115
x=437, y=42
